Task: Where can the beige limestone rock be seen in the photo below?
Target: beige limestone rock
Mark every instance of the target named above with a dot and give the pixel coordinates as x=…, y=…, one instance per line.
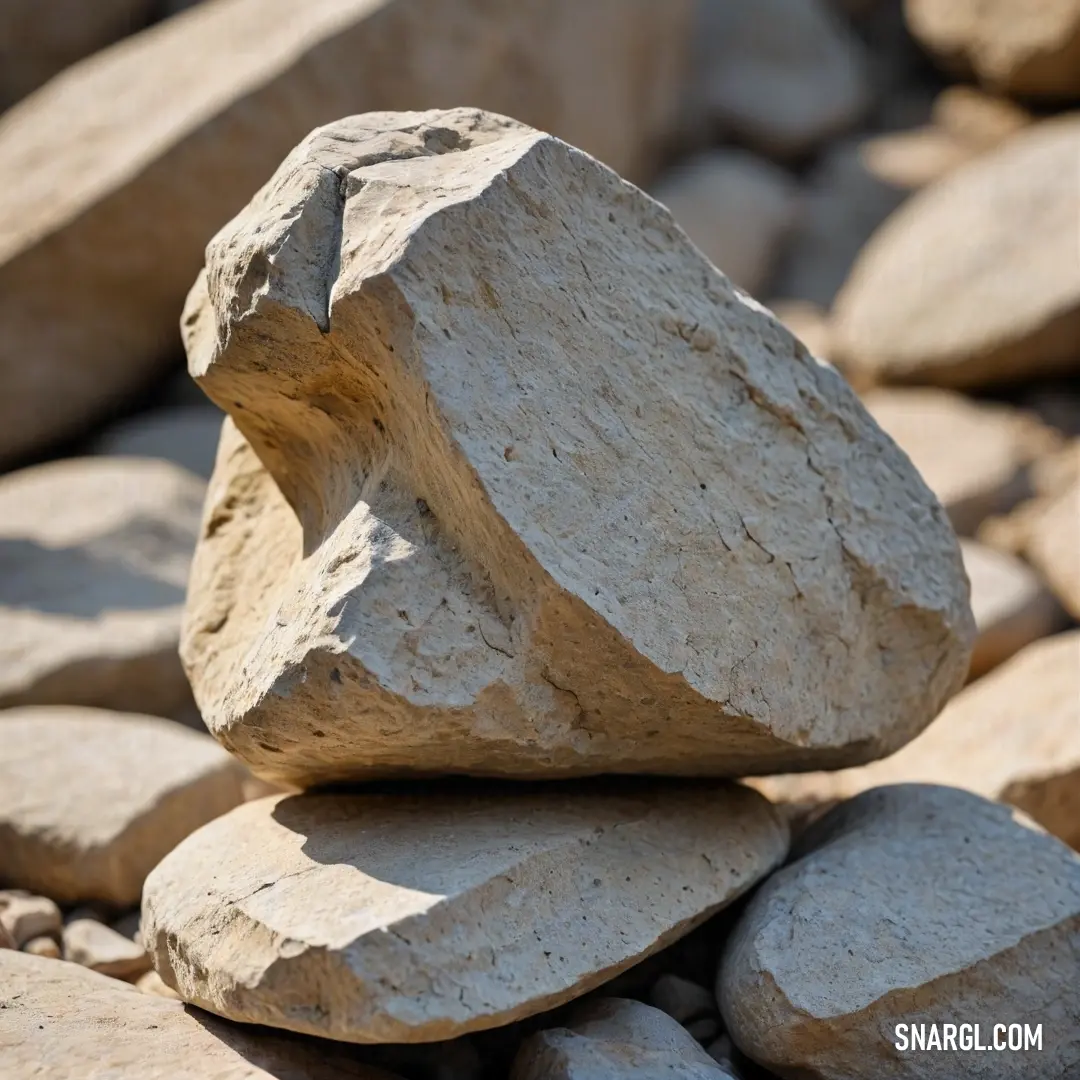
x=45, y=947
x=909, y=904
x=615, y=1039
x=1030, y=49
x=92, y=944
x=1053, y=545
x=974, y=456
x=91, y=800
x=26, y=916
x=586, y=509
x=782, y=76
x=6, y=940
x=65, y=1022
x=94, y=558
x=187, y=436
x=152, y=983
x=1012, y=606
x=999, y=299
x=976, y=118
x=736, y=207
x=413, y=917
x=98, y=250
x=1014, y=735
x=38, y=40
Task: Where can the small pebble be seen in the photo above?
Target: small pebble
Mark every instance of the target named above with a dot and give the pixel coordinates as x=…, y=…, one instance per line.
x=97, y=946
x=43, y=946
x=25, y=916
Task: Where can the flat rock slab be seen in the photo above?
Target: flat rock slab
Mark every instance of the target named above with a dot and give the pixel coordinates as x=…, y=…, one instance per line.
x=586, y=509
x=1011, y=604
x=911, y=904
x=65, y=1022
x=189, y=119
x=997, y=296
x=616, y=1039
x=419, y=917
x=974, y=456
x=94, y=558
x=1013, y=735
x=1014, y=46
x=91, y=800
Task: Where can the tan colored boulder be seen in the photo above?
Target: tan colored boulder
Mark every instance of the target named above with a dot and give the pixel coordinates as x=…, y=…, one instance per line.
x=615, y=1039
x=91, y=800
x=997, y=295
x=1014, y=735
x=783, y=76
x=94, y=558
x=98, y=250
x=1012, y=606
x=736, y=207
x=974, y=456
x=538, y=532
x=909, y=905
x=417, y=917
x=39, y=40
x=1015, y=46
x=92, y=944
x=65, y=1022
x=187, y=436
x=25, y=916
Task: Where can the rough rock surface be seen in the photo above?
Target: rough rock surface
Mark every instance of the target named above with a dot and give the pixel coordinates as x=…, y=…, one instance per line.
x=91, y=800
x=1012, y=607
x=974, y=456
x=615, y=1039
x=94, y=558
x=736, y=207
x=92, y=944
x=38, y=42
x=98, y=250
x=417, y=917
x=65, y=1022
x=1015, y=46
x=1002, y=231
x=781, y=75
x=914, y=904
x=1012, y=736
x=187, y=436
x=535, y=531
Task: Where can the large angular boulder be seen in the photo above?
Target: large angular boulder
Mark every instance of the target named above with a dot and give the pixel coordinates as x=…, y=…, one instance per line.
x=1016, y=46
x=65, y=1022
x=997, y=294
x=1013, y=735
x=910, y=907
x=518, y=484
x=94, y=559
x=414, y=917
x=98, y=250
x=91, y=800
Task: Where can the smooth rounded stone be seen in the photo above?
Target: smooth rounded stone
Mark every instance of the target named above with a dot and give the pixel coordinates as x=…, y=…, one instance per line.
x=1053, y=546
x=417, y=917
x=737, y=209
x=615, y=1039
x=910, y=904
x=1015, y=46
x=45, y=947
x=66, y=1022
x=1012, y=607
x=1012, y=735
x=682, y=999
x=94, y=558
x=37, y=42
x=26, y=916
x=91, y=800
x=977, y=118
x=843, y=202
x=974, y=456
x=782, y=76
x=92, y=944
x=1002, y=233
x=186, y=436
x=590, y=509
x=190, y=118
